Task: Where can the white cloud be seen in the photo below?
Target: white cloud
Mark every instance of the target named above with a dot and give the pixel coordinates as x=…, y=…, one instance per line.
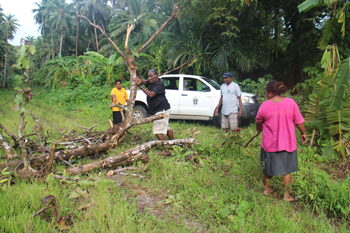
x=22, y=10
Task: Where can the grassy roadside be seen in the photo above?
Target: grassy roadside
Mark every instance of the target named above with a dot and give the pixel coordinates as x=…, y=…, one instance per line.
x=220, y=190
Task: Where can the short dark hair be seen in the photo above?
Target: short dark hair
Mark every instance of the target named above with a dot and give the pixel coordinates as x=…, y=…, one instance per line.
x=118, y=80
x=276, y=87
x=154, y=71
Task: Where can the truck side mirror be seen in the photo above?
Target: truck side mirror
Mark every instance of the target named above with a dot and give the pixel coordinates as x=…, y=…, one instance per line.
x=205, y=88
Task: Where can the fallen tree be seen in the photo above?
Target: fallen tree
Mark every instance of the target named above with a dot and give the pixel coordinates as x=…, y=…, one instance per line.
x=89, y=143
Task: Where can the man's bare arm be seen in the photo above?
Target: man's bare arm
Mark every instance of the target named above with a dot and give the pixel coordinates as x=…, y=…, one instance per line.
x=240, y=106
x=217, y=108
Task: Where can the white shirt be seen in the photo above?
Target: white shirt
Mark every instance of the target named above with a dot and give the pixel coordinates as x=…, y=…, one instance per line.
x=230, y=96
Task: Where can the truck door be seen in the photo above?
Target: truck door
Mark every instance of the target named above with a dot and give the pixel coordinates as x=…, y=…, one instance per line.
x=172, y=92
x=196, y=98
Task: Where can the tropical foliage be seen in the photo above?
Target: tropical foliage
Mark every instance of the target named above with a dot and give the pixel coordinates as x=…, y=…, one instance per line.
x=256, y=40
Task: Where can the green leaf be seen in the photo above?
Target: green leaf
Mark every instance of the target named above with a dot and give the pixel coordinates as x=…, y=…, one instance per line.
x=3, y=181
x=342, y=20
x=327, y=33
x=240, y=215
x=308, y=4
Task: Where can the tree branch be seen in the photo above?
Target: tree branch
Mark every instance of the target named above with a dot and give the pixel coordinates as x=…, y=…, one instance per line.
x=104, y=33
x=176, y=11
x=13, y=136
x=128, y=155
x=7, y=147
x=88, y=129
x=37, y=127
x=119, y=105
x=167, y=72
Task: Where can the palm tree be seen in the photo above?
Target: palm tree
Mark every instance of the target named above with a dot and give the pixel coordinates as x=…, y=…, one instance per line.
x=78, y=7
x=100, y=13
x=137, y=14
x=60, y=17
x=10, y=27
x=41, y=15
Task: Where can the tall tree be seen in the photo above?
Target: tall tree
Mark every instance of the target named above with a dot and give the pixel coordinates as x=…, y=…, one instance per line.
x=78, y=7
x=41, y=15
x=60, y=17
x=10, y=27
x=137, y=14
x=99, y=11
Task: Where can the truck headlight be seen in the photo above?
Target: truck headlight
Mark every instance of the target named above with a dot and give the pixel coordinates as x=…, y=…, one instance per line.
x=247, y=99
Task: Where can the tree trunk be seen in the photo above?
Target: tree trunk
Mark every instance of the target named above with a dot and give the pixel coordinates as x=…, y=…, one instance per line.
x=267, y=29
x=61, y=41
x=5, y=62
x=277, y=16
x=22, y=144
x=43, y=31
x=6, y=147
x=76, y=39
x=52, y=55
x=93, y=17
x=128, y=156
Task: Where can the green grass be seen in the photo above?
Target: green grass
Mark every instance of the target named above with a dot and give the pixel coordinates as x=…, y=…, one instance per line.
x=220, y=191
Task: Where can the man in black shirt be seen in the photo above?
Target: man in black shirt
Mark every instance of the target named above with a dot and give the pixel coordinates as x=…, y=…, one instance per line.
x=157, y=103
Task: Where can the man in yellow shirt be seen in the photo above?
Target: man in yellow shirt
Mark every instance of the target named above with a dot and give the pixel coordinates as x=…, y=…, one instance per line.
x=119, y=95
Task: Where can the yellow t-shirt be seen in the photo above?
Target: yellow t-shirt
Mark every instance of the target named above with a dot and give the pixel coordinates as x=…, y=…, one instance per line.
x=121, y=97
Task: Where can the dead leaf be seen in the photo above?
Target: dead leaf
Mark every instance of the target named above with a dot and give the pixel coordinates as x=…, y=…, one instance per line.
x=80, y=208
x=62, y=226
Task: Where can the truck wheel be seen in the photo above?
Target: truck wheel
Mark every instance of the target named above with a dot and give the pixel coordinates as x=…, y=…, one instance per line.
x=139, y=112
x=217, y=120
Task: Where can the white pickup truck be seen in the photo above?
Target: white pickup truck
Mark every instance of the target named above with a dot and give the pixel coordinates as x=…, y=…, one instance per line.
x=193, y=97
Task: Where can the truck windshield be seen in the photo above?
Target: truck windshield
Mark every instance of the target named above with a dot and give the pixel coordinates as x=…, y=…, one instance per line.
x=212, y=82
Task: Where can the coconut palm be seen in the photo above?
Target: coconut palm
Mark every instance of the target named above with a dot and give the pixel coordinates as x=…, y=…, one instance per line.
x=9, y=28
x=100, y=13
x=60, y=17
x=78, y=7
x=137, y=14
x=41, y=15
x=118, y=4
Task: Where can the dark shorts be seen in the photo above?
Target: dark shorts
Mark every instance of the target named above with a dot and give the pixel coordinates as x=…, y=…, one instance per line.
x=117, y=117
x=278, y=163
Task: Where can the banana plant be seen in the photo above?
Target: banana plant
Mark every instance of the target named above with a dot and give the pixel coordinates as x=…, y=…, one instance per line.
x=105, y=65
x=329, y=106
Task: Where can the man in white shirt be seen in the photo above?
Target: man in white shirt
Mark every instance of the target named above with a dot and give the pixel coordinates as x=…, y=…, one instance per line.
x=230, y=99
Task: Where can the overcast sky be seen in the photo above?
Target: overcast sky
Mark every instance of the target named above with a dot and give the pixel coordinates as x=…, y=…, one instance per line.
x=22, y=10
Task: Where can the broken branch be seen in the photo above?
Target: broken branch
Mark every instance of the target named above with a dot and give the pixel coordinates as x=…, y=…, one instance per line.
x=128, y=155
x=167, y=72
x=88, y=129
x=13, y=136
x=104, y=33
x=176, y=11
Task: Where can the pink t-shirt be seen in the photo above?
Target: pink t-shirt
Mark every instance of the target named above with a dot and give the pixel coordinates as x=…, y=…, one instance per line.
x=278, y=125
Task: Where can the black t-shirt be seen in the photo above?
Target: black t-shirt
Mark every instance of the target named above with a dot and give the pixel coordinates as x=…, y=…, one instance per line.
x=158, y=102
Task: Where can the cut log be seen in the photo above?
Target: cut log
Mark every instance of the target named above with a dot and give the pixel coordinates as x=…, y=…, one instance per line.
x=127, y=156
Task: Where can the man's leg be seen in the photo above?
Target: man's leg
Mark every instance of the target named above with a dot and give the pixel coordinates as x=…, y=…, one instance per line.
x=233, y=122
x=160, y=137
x=225, y=123
x=117, y=117
x=170, y=134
